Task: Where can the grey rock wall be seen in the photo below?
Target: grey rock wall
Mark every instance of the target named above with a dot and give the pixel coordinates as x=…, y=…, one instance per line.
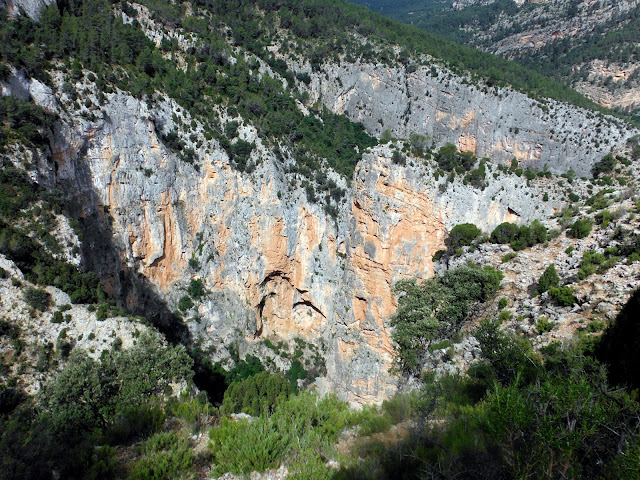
x=497, y=123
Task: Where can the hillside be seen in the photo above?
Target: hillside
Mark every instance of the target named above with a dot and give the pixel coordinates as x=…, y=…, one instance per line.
x=208, y=209
x=594, y=47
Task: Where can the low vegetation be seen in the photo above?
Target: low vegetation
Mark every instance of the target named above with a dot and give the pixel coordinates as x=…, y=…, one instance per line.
x=435, y=308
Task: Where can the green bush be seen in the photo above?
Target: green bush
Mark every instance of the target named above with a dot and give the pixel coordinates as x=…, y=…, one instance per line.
x=399, y=407
x=165, y=455
x=603, y=218
x=462, y=234
x=241, y=447
x=549, y=278
x=372, y=420
x=185, y=303
x=606, y=165
x=563, y=295
x=256, y=394
x=134, y=421
x=89, y=393
x=398, y=158
x=519, y=237
x=544, y=325
x=580, y=228
x=196, y=289
x=436, y=307
x=57, y=317
x=509, y=256
x=505, y=233
x=450, y=159
x=508, y=356
x=596, y=326
x=37, y=298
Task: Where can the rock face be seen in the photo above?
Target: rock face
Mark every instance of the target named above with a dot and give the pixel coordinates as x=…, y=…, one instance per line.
x=31, y=8
x=501, y=125
x=275, y=265
x=570, y=40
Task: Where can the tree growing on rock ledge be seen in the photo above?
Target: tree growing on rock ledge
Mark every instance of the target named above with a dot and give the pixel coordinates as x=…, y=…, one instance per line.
x=462, y=234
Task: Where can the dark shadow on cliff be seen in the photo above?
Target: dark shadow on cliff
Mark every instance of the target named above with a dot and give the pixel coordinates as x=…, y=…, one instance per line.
x=130, y=290
x=619, y=347
x=135, y=293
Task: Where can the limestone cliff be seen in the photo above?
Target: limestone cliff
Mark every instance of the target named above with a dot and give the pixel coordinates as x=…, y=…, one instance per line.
x=565, y=39
x=499, y=124
x=275, y=265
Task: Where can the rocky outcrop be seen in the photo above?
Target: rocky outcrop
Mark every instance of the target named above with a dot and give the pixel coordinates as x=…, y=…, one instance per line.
x=499, y=124
x=42, y=338
x=31, y=8
x=275, y=266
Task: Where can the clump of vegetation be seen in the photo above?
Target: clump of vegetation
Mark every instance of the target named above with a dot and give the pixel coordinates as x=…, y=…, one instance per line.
x=462, y=234
x=519, y=237
x=435, y=308
x=581, y=228
x=164, y=455
x=606, y=165
x=37, y=298
x=299, y=430
x=549, y=278
x=450, y=159
x=256, y=394
x=563, y=295
x=593, y=261
x=544, y=325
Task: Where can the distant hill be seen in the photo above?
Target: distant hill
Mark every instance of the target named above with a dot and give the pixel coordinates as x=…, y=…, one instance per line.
x=594, y=47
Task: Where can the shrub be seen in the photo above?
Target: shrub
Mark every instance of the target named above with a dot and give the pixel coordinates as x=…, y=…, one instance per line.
x=166, y=455
x=509, y=256
x=242, y=447
x=398, y=158
x=596, y=326
x=196, y=289
x=544, y=325
x=372, y=420
x=450, y=159
x=505, y=233
x=185, y=303
x=519, y=237
x=134, y=422
x=296, y=372
x=256, y=394
x=507, y=355
x=581, y=228
x=549, y=278
x=89, y=393
x=462, y=234
x=37, y=298
x=603, y=218
x=57, y=317
x=502, y=303
x=606, y=165
x=103, y=312
x=563, y=295
x=592, y=261
x=504, y=315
